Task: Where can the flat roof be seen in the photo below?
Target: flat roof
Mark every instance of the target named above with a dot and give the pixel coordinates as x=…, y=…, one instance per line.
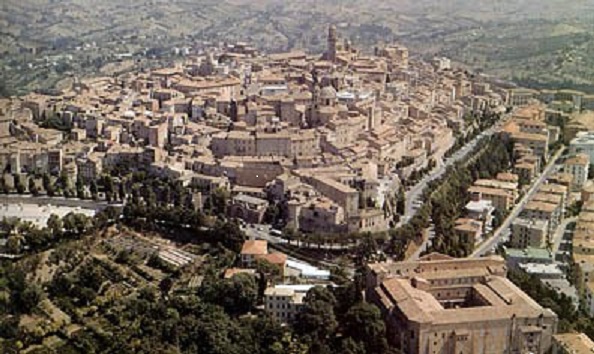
x=534, y=253
x=539, y=268
x=307, y=270
x=532, y=223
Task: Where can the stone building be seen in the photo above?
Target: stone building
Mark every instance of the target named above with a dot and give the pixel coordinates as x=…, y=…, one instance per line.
x=440, y=304
x=248, y=208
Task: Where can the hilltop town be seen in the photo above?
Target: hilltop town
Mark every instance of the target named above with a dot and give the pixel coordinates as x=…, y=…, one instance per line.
x=331, y=137
x=238, y=192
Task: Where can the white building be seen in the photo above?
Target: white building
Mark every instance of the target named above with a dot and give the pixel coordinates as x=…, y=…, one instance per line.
x=307, y=270
x=283, y=303
x=274, y=90
x=481, y=210
x=442, y=63
x=578, y=166
x=543, y=271
x=583, y=143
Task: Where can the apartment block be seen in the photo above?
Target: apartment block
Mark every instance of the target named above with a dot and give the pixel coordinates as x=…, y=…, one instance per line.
x=510, y=187
x=554, y=199
x=502, y=200
x=578, y=166
x=284, y=302
x=468, y=230
x=583, y=253
x=529, y=233
x=562, y=178
x=556, y=189
x=542, y=211
x=583, y=143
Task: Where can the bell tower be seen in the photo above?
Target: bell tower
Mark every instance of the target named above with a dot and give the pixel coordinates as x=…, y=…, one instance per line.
x=332, y=43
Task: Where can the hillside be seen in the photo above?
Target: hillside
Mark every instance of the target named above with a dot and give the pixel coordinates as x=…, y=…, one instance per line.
x=546, y=42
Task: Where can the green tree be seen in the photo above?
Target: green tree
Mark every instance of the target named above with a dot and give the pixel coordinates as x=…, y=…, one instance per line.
x=76, y=223
x=14, y=244
x=218, y=200
x=3, y=186
x=317, y=319
x=94, y=189
x=229, y=235
x=108, y=184
x=18, y=184
x=47, y=185
x=80, y=188
x=54, y=223
x=63, y=181
x=33, y=187
x=30, y=297
x=401, y=201
x=237, y=295
x=272, y=214
x=122, y=190
x=350, y=346
x=364, y=324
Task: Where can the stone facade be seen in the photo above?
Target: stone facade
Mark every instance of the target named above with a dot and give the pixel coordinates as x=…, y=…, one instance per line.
x=444, y=305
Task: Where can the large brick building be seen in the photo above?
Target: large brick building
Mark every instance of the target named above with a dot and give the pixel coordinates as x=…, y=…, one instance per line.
x=444, y=305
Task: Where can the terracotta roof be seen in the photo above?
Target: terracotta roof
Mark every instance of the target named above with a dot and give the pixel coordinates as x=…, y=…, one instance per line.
x=275, y=258
x=579, y=159
x=255, y=247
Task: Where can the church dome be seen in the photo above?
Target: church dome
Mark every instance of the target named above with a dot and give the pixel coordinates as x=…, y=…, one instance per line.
x=328, y=92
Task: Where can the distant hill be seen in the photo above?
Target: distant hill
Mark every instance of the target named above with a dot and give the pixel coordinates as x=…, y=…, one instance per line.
x=548, y=41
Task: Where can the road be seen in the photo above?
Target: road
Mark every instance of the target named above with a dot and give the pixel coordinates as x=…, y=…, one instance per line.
x=560, y=236
x=413, y=195
x=57, y=201
x=413, y=201
x=503, y=230
x=262, y=232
